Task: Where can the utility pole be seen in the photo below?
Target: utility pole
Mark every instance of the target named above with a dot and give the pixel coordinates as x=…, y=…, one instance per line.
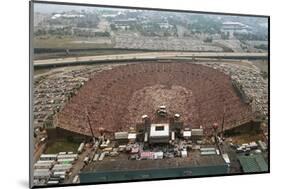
x=222, y=124
x=89, y=124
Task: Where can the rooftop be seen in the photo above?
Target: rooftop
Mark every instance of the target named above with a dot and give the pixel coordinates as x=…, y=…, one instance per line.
x=161, y=129
x=253, y=163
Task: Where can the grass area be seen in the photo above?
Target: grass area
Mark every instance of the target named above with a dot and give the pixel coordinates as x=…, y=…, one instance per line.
x=62, y=146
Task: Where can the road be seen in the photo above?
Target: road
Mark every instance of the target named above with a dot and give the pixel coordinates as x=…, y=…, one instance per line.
x=78, y=165
x=234, y=165
x=147, y=55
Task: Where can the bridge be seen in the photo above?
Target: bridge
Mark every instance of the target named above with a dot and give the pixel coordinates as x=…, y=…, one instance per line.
x=146, y=56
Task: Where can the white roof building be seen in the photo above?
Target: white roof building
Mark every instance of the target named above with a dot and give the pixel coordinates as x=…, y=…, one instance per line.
x=186, y=133
x=159, y=130
x=132, y=136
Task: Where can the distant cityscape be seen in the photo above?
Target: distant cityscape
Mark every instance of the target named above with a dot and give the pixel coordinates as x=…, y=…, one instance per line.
x=143, y=29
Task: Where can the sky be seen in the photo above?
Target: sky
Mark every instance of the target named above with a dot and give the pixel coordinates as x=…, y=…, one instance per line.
x=51, y=8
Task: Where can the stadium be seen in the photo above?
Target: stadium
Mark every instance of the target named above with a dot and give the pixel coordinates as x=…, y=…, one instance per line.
x=115, y=99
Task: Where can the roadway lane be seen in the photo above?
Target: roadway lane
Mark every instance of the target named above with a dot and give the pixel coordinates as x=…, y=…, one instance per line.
x=148, y=55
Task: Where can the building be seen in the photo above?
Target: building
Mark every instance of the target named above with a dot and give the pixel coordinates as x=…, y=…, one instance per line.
x=186, y=134
x=159, y=133
x=235, y=27
x=197, y=134
x=121, y=137
x=124, y=23
x=253, y=163
x=165, y=25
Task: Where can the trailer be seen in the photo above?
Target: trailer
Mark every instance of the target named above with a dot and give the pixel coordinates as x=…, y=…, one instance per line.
x=62, y=167
x=187, y=134
x=121, y=135
x=59, y=173
x=218, y=152
x=184, y=153
x=53, y=182
x=158, y=155
x=102, y=156
x=46, y=162
x=107, y=149
x=42, y=166
x=121, y=148
x=41, y=170
x=146, y=137
x=44, y=157
x=207, y=149
x=68, y=156
x=97, y=143
x=105, y=144
x=173, y=136
x=41, y=174
x=81, y=147
x=66, y=161
x=262, y=145
x=54, y=179
x=132, y=137
x=62, y=177
x=253, y=145
x=146, y=155
x=96, y=157
x=205, y=153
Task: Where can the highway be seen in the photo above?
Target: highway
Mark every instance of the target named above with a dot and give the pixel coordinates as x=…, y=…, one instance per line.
x=147, y=55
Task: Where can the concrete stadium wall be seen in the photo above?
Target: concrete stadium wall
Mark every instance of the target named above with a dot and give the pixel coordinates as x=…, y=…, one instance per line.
x=92, y=177
x=60, y=133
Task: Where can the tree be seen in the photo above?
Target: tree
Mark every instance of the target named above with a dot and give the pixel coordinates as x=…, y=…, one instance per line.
x=208, y=40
